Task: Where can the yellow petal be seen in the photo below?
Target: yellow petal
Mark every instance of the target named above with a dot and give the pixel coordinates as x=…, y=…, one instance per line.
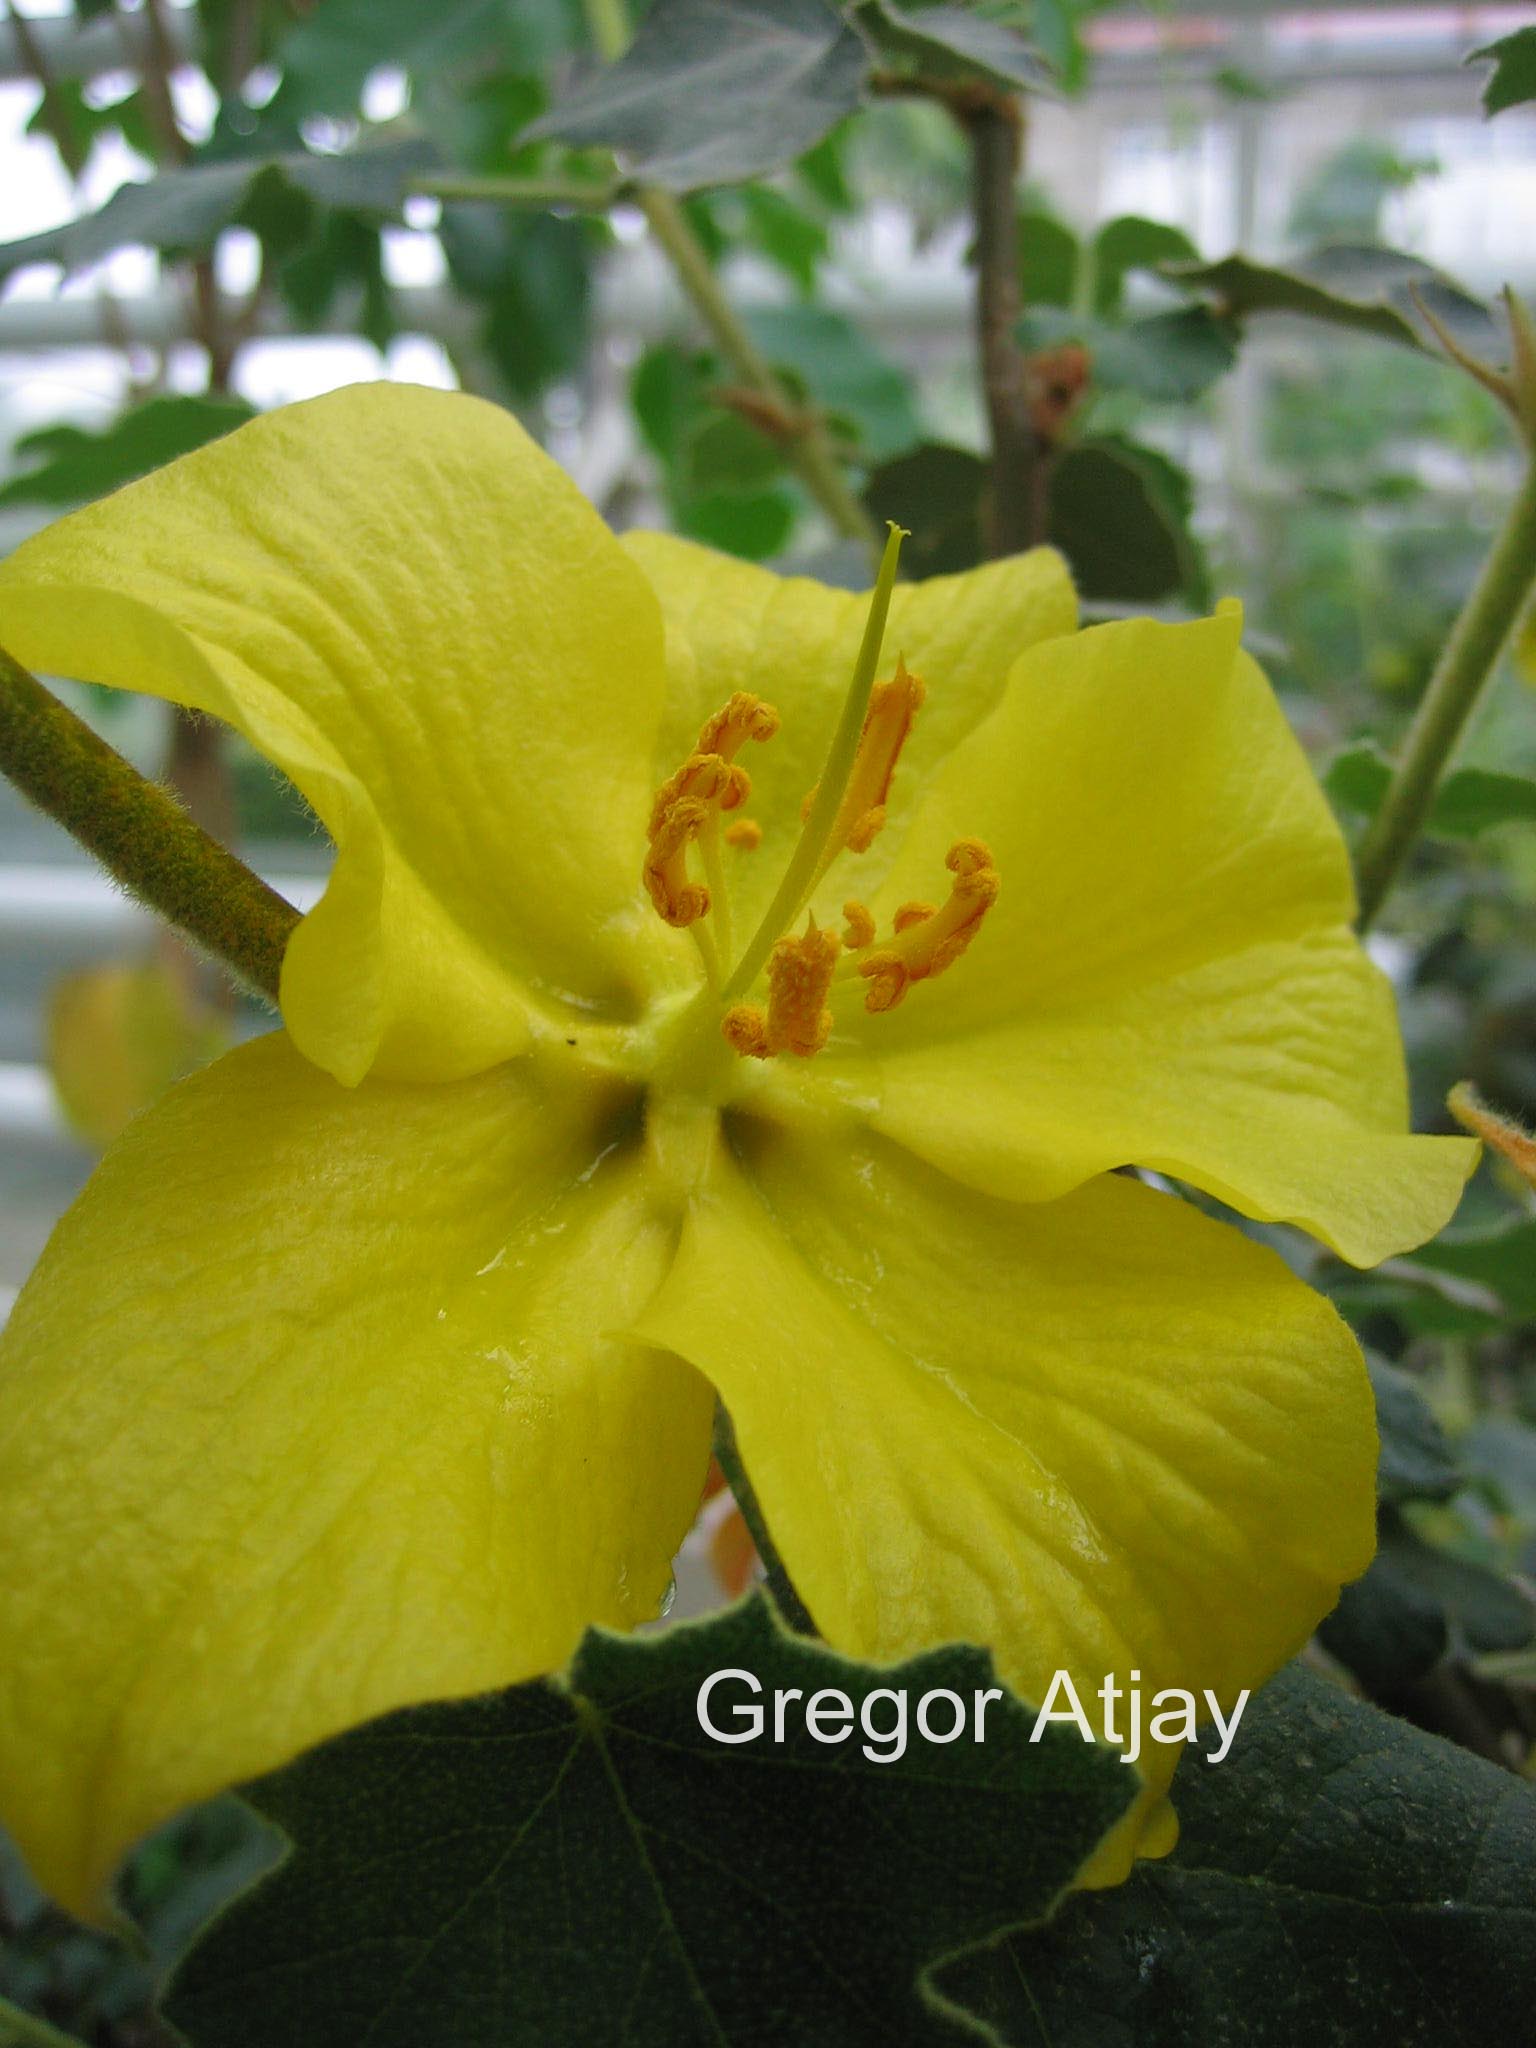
x=734, y=626
x=1169, y=977
x=406, y=605
x=312, y=1408
x=1102, y=1434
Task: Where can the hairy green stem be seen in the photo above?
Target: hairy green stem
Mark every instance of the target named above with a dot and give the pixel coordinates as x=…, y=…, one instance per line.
x=780, y=1584
x=1479, y=636
x=139, y=833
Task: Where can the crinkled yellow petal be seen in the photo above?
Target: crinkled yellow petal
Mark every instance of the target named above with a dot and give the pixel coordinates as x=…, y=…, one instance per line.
x=1103, y=1434
x=1169, y=977
x=314, y=1407
x=408, y=607
x=734, y=626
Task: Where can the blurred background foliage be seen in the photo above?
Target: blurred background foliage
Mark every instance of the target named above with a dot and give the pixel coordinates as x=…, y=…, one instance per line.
x=219, y=205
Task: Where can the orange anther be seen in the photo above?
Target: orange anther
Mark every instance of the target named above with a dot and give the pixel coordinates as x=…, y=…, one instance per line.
x=799, y=977
x=745, y=833
x=860, y=928
x=927, y=941
x=708, y=781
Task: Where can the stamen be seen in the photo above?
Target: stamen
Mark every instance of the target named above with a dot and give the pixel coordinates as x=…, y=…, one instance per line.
x=745, y=833
x=893, y=705
x=860, y=928
x=797, y=1019
x=926, y=940
x=708, y=783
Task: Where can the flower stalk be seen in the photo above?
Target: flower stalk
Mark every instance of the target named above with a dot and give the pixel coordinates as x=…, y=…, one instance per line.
x=1478, y=638
x=792, y=1608
x=139, y=833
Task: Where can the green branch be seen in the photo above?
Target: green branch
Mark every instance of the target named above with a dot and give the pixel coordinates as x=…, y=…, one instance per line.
x=1470, y=654
x=807, y=448
x=139, y=833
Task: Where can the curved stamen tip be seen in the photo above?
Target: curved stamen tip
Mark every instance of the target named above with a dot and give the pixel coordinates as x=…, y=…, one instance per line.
x=925, y=941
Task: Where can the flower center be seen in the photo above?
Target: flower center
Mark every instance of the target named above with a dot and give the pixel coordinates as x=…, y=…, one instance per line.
x=684, y=870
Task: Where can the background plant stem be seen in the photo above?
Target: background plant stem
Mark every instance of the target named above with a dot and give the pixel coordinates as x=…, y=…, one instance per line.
x=807, y=448
x=780, y=1584
x=993, y=125
x=1469, y=656
x=139, y=833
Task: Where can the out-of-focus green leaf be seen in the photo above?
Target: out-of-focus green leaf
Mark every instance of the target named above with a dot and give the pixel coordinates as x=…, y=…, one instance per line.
x=712, y=92
x=936, y=493
x=1129, y=243
x=843, y=373
x=184, y=210
x=1119, y=513
x=583, y=1863
x=77, y=464
x=949, y=43
x=1415, y=1461
x=1173, y=356
x=1334, y=1878
x=1386, y=1630
x=343, y=254
x=1469, y=801
x=787, y=235
x=718, y=471
x=1049, y=254
x=1514, y=76
x=334, y=49
x=1352, y=286
x=1502, y=1259
x=1341, y=200
x=1489, y=1612
x=532, y=274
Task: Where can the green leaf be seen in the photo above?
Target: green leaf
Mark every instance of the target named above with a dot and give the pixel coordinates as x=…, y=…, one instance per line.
x=1172, y=356
x=1049, y=254
x=1133, y=243
x=532, y=274
x=78, y=465
x=333, y=51
x=582, y=1862
x=1415, y=1461
x=1341, y=1877
x=1514, y=78
x=785, y=233
x=1503, y=1259
x=948, y=43
x=1469, y=801
x=753, y=524
x=185, y=209
x=936, y=493
x=843, y=372
x=1119, y=513
x=1488, y=1609
x=1386, y=1630
x=712, y=92
x=1350, y=285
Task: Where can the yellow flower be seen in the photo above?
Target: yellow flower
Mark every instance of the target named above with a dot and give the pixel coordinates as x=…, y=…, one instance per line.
x=379, y=1359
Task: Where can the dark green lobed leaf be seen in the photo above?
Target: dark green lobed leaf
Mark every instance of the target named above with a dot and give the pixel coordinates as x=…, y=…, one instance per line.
x=184, y=210
x=547, y=1866
x=78, y=465
x=712, y=92
x=1514, y=76
x=1351, y=285
x=1341, y=1878
x=1415, y=1462
x=949, y=43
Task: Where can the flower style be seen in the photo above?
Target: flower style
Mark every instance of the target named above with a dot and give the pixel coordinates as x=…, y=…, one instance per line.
x=678, y=1021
